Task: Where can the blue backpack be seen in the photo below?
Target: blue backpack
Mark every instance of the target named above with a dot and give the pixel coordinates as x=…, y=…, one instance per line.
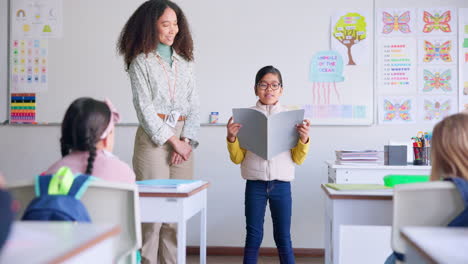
x=58, y=198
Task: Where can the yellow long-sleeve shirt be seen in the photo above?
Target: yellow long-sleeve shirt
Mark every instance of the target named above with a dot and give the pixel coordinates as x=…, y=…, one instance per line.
x=298, y=153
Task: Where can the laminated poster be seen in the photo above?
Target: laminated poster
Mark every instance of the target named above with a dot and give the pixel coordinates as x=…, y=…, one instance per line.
x=397, y=110
x=396, y=65
x=29, y=65
x=396, y=22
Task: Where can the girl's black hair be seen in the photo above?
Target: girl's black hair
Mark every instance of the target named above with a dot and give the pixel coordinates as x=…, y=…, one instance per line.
x=82, y=126
x=140, y=34
x=264, y=71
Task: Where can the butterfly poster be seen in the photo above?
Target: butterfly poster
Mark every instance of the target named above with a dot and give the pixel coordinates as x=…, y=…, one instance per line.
x=396, y=22
x=437, y=21
x=433, y=50
x=432, y=109
x=437, y=80
x=397, y=110
x=396, y=65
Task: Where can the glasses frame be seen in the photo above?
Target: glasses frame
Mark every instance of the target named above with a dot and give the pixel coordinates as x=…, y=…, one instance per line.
x=269, y=86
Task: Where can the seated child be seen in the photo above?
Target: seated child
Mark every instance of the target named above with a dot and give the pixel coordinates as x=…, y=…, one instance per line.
x=449, y=159
x=88, y=140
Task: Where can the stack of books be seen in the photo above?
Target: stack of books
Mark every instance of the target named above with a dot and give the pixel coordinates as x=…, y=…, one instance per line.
x=358, y=157
x=168, y=185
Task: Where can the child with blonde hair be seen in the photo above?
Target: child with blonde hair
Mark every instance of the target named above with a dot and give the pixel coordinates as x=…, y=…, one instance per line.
x=449, y=155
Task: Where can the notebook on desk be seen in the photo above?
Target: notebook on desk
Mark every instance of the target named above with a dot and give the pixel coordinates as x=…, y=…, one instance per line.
x=168, y=185
x=355, y=187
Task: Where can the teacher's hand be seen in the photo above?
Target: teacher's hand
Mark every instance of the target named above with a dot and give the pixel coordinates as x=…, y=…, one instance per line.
x=176, y=158
x=181, y=147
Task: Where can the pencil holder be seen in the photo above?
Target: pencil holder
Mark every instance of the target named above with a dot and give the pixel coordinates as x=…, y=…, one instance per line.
x=422, y=155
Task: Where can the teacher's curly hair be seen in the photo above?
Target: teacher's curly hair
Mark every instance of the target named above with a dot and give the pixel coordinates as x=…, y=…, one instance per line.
x=140, y=34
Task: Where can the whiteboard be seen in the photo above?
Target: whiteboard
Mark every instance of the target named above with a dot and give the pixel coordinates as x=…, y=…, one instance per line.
x=236, y=38
x=233, y=39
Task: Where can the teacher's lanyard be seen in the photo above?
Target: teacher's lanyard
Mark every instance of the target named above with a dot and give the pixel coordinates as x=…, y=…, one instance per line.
x=171, y=91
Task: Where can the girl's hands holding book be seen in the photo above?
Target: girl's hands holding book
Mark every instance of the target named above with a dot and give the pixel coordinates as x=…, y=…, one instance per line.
x=232, y=130
x=303, y=130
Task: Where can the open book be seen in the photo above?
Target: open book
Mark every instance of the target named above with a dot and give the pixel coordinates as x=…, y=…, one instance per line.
x=168, y=185
x=267, y=136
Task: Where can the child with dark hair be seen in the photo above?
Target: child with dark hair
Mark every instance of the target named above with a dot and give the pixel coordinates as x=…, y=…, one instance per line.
x=268, y=181
x=88, y=140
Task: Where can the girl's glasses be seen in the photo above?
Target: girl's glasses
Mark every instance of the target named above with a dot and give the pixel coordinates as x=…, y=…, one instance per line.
x=274, y=86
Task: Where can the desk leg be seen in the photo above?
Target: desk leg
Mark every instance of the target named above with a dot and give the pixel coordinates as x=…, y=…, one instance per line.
x=203, y=236
x=181, y=241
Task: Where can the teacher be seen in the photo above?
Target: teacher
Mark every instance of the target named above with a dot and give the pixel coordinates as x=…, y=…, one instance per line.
x=158, y=52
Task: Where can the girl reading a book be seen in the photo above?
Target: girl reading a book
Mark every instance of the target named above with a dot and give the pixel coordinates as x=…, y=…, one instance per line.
x=268, y=180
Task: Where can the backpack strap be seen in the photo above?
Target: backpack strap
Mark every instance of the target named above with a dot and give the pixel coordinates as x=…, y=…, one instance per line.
x=61, y=181
x=41, y=185
x=79, y=186
x=462, y=186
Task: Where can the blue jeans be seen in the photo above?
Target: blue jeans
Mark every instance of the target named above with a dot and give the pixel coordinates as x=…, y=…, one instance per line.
x=278, y=194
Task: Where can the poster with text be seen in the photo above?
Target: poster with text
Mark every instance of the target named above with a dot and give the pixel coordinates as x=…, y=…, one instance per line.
x=36, y=19
x=29, y=65
x=351, y=33
x=396, y=66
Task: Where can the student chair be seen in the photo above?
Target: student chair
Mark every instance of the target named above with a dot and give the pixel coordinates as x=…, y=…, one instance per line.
x=106, y=202
x=423, y=204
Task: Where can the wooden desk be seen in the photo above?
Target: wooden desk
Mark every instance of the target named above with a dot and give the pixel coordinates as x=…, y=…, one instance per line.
x=59, y=242
x=436, y=245
x=371, y=208
x=369, y=174
x=158, y=207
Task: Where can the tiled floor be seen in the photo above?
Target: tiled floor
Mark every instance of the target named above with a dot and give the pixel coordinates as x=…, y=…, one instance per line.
x=192, y=259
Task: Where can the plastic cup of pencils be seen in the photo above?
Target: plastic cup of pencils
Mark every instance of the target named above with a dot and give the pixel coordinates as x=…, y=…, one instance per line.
x=421, y=155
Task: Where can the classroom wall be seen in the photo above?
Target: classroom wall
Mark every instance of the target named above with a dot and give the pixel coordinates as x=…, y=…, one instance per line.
x=28, y=150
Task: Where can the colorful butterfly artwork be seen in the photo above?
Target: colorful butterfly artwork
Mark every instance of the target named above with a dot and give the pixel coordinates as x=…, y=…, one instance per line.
x=437, y=22
x=436, y=110
x=437, y=80
x=395, y=23
x=397, y=111
x=437, y=51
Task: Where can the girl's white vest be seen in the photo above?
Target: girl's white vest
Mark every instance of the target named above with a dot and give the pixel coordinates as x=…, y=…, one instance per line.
x=280, y=167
